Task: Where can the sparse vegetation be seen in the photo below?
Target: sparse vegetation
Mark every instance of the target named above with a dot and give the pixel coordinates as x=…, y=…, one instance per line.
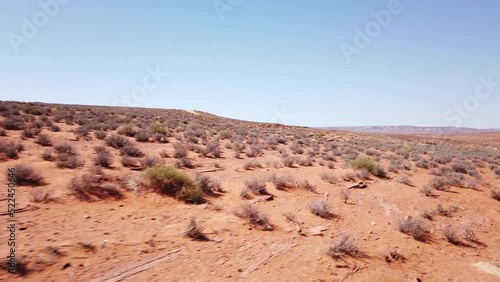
x=321, y=208
x=344, y=245
x=254, y=217
x=168, y=180
x=415, y=228
x=27, y=175
x=369, y=164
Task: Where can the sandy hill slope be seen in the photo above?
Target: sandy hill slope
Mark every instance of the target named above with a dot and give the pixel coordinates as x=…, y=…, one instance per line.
x=131, y=194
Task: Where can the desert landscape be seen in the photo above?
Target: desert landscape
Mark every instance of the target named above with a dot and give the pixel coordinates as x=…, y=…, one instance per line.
x=141, y=194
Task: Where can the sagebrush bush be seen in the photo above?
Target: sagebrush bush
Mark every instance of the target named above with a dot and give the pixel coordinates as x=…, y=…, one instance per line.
x=27, y=175
x=321, y=208
x=103, y=157
x=10, y=150
x=100, y=134
x=142, y=136
x=127, y=130
x=257, y=186
x=168, y=180
x=117, y=141
x=13, y=123
x=345, y=245
x=44, y=140
x=254, y=217
x=328, y=177
x=180, y=151
x=495, y=194
x=415, y=228
x=91, y=186
x=131, y=151
x=368, y=164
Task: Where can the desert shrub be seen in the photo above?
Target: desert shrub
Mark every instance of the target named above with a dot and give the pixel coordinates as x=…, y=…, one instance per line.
x=251, y=164
x=65, y=148
x=91, y=186
x=284, y=182
x=131, y=162
x=226, y=134
x=427, y=191
x=82, y=131
x=47, y=155
x=213, y=148
x=451, y=235
x=448, y=212
x=427, y=214
x=100, y=134
x=27, y=133
x=368, y=164
x=439, y=184
x=415, y=228
x=254, y=217
x=328, y=177
x=345, y=245
x=404, y=180
x=68, y=161
x=13, y=123
x=454, y=179
x=209, y=186
x=435, y=171
x=168, y=180
x=103, y=157
x=180, y=151
x=423, y=163
x=254, y=151
x=257, y=186
x=44, y=140
x=151, y=161
x=308, y=161
x=397, y=165
x=55, y=128
x=158, y=128
x=10, y=150
x=117, y=141
x=364, y=174
x=288, y=161
x=27, y=175
x=495, y=194
x=195, y=231
x=349, y=176
x=321, y=208
x=131, y=151
x=3, y=132
x=345, y=194
x=185, y=162
x=127, y=130
x=142, y=136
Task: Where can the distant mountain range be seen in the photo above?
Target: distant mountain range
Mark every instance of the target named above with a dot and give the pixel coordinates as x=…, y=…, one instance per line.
x=407, y=129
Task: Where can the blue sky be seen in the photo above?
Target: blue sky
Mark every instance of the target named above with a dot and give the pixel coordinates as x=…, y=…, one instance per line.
x=427, y=63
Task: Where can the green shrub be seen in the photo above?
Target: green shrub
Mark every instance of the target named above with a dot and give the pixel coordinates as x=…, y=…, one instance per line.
x=158, y=128
x=170, y=181
x=369, y=164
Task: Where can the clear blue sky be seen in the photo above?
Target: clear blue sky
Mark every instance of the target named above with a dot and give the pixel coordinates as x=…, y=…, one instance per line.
x=261, y=60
